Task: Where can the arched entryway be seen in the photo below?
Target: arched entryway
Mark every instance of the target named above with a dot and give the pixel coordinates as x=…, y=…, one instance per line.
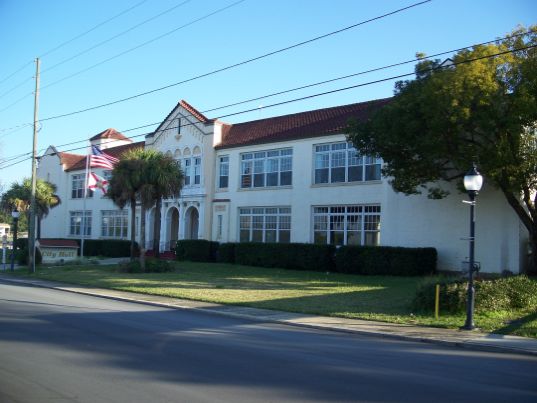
x=191, y=223
x=172, y=228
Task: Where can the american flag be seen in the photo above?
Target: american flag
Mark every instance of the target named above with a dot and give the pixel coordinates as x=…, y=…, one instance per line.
x=98, y=159
x=96, y=182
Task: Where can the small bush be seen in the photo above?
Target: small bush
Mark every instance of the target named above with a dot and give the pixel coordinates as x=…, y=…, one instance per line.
x=108, y=247
x=22, y=256
x=151, y=266
x=295, y=256
x=196, y=250
x=385, y=260
x=517, y=292
x=226, y=253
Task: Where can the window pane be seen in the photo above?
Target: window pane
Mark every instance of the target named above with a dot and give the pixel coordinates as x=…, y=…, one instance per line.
x=245, y=236
x=272, y=179
x=319, y=237
x=284, y=236
x=286, y=178
x=321, y=175
x=270, y=235
x=372, y=172
x=257, y=236
x=224, y=181
x=353, y=238
x=259, y=180
x=355, y=173
x=338, y=175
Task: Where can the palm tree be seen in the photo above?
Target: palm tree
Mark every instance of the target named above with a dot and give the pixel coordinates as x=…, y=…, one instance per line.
x=166, y=179
x=124, y=186
x=19, y=197
x=146, y=176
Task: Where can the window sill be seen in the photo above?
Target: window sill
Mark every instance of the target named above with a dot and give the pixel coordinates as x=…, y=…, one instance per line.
x=264, y=188
x=358, y=183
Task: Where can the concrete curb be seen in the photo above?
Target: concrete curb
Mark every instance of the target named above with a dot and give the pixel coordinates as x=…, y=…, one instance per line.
x=486, y=342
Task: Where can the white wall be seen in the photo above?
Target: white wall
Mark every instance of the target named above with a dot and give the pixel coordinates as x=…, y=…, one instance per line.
x=411, y=221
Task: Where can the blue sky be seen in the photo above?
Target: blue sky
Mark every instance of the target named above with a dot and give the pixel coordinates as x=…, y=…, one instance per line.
x=244, y=30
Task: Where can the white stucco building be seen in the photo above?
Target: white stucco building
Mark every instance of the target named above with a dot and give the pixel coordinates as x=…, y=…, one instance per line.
x=291, y=178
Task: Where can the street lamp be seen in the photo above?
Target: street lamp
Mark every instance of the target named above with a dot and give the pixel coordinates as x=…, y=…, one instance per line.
x=15, y=214
x=472, y=183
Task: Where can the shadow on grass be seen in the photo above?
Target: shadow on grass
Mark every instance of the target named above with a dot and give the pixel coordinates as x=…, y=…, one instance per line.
x=518, y=326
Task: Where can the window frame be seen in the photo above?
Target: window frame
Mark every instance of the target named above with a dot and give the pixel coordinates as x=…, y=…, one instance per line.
x=338, y=221
x=340, y=162
x=86, y=216
x=257, y=219
x=116, y=216
x=80, y=181
x=223, y=165
x=266, y=169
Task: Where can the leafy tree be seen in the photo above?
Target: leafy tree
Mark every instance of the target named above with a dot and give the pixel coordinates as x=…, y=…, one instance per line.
x=19, y=196
x=482, y=109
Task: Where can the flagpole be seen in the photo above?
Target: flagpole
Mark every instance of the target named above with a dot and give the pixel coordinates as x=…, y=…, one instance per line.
x=83, y=226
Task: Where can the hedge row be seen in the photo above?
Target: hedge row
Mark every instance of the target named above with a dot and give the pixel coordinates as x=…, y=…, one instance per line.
x=96, y=247
x=516, y=292
x=375, y=260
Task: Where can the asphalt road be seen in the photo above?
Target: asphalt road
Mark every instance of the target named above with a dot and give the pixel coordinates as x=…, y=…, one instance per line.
x=62, y=347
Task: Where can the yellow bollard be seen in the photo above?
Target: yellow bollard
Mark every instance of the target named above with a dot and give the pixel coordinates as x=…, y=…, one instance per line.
x=437, y=301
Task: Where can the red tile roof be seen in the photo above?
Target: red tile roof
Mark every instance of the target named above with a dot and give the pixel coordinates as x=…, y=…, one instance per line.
x=296, y=126
x=197, y=114
x=75, y=164
x=109, y=134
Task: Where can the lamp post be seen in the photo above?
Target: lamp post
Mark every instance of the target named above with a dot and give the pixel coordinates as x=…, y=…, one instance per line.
x=15, y=214
x=472, y=183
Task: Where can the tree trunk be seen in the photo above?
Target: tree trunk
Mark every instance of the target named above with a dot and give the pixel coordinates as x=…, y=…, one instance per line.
x=156, y=233
x=142, y=238
x=133, y=227
x=532, y=263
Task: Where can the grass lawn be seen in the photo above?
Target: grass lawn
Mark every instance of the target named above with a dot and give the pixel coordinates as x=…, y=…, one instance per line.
x=380, y=298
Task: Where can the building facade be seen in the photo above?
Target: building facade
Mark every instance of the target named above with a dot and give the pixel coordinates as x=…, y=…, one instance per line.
x=293, y=178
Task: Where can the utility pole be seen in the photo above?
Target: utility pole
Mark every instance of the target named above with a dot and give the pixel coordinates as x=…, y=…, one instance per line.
x=32, y=226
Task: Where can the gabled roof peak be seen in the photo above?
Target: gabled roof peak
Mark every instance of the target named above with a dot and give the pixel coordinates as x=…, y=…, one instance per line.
x=110, y=133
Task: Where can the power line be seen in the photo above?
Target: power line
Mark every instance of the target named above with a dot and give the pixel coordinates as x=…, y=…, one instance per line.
x=75, y=38
x=144, y=44
x=119, y=54
x=399, y=76
x=117, y=35
x=314, y=84
x=339, y=78
x=236, y=64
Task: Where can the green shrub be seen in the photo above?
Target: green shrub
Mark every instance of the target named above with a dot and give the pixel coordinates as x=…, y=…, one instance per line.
x=295, y=256
x=151, y=266
x=105, y=247
x=385, y=260
x=196, y=250
x=22, y=256
x=517, y=292
x=226, y=253
x=108, y=247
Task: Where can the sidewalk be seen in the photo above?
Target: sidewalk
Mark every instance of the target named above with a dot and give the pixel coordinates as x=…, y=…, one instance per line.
x=471, y=340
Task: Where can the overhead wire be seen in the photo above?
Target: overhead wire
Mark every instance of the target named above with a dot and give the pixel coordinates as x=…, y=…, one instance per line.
x=118, y=54
x=239, y=63
x=116, y=36
x=345, y=76
x=75, y=38
x=143, y=44
x=391, y=78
